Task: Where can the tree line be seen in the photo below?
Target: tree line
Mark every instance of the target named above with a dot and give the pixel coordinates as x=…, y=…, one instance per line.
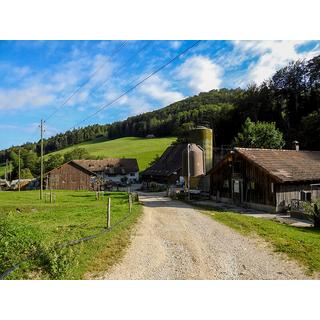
x=289, y=101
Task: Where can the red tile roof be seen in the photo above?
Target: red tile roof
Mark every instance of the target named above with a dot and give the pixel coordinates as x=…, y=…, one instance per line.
x=111, y=165
x=285, y=165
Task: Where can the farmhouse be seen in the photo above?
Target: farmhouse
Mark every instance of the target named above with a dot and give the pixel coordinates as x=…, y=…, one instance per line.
x=88, y=174
x=266, y=179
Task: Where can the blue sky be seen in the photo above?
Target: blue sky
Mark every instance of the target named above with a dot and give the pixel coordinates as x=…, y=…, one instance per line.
x=37, y=76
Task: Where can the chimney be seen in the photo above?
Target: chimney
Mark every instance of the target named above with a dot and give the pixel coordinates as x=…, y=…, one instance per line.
x=295, y=145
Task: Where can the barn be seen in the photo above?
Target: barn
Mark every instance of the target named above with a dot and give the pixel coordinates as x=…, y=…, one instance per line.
x=167, y=170
x=266, y=179
x=89, y=174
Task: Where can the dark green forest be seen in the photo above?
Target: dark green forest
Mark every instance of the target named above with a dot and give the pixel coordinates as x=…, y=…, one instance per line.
x=290, y=99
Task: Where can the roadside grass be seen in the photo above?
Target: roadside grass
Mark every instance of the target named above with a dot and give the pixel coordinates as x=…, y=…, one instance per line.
x=30, y=227
x=143, y=149
x=301, y=244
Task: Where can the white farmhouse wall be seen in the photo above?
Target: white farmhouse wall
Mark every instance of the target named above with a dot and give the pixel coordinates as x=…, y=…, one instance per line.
x=132, y=177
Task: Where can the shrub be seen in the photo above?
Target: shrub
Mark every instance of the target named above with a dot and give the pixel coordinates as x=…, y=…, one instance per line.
x=58, y=263
x=313, y=209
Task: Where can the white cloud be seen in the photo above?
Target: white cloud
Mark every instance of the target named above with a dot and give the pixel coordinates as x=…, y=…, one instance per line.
x=272, y=55
x=52, y=87
x=200, y=73
x=34, y=96
x=160, y=89
x=175, y=44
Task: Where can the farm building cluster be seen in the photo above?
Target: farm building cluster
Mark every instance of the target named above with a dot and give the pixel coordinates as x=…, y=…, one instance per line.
x=264, y=179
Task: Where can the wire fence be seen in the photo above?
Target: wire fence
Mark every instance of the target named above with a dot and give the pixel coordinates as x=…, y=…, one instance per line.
x=131, y=197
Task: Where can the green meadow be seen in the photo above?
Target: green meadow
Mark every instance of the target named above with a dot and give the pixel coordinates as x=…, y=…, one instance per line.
x=143, y=149
x=33, y=229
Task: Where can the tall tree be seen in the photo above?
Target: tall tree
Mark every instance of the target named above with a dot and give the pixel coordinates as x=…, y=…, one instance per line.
x=259, y=135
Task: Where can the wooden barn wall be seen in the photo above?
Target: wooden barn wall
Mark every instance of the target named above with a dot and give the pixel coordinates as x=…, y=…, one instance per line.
x=218, y=188
x=289, y=191
x=256, y=186
x=68, y=177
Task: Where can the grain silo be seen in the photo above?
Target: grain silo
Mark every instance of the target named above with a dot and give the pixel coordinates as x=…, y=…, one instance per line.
x=196, y=161
x=203, y=137
x=193, y=164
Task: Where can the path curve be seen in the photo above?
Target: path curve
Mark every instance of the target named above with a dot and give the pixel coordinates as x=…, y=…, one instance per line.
x=174, y=241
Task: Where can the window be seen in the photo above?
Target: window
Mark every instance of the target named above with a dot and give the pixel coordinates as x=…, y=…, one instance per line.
x=226, y=184
x=305, y=196
x=132, y=174
x=272, y=187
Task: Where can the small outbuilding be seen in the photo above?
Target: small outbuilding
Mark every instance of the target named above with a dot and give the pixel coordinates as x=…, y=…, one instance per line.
x=266, y=179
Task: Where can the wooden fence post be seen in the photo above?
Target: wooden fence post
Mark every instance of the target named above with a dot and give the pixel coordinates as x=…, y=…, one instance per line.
x=109, y=213
x=130, y=202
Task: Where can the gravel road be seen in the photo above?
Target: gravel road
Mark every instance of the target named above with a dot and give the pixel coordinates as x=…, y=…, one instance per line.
x=174, y=241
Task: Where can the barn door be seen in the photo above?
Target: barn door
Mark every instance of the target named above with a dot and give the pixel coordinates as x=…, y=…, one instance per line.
x=237, y=185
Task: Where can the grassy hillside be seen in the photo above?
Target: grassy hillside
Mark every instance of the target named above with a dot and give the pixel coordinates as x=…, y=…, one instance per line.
x=144, y=150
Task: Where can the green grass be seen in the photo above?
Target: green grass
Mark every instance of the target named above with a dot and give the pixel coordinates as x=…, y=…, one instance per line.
x=301, y=244
x=30, y=226
x=144, y=150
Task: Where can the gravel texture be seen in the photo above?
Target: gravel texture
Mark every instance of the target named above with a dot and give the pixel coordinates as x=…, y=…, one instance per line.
x=174, y=241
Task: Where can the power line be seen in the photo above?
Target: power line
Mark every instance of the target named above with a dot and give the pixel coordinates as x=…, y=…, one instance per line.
x=85, y=82
x=122, y=66
x=139, y=83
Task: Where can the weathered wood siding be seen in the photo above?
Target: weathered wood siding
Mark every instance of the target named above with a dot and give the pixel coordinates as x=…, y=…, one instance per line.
x=69, y=177
x=287, y=192
x=255, y=185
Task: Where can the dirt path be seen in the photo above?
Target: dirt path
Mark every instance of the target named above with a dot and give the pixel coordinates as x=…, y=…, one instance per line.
x=175, y=241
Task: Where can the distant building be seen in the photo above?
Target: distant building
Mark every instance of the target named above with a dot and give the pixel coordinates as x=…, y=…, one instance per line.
x=90, y=174
x=266, y=179
x=4, y=184
x=23, y=183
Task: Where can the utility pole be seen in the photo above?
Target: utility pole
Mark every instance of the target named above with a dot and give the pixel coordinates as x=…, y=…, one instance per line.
x=10, y=170
x=188, y=149
x=41, y=168
x=19, y=170
x=6, y=171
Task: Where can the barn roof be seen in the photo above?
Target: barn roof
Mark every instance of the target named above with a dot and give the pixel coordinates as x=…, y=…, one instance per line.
x=169, y=162
x=113, y=165
x=285, y=165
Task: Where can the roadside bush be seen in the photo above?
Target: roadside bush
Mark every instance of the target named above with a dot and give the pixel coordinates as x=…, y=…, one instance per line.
x=313, y=209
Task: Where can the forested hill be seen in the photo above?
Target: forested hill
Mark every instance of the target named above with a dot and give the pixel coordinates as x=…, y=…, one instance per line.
x=291, y=99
